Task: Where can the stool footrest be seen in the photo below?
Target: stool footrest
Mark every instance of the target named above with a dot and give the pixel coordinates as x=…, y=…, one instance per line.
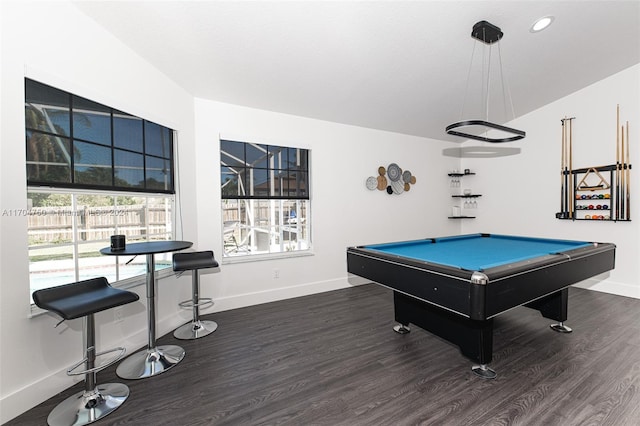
x=204, y=302
x=122, y=351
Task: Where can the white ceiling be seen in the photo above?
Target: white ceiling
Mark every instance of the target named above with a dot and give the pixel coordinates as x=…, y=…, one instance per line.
x=400, y=66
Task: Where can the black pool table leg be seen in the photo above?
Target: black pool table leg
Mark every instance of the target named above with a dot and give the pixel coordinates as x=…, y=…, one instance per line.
x=474, y=338
x=556, y=307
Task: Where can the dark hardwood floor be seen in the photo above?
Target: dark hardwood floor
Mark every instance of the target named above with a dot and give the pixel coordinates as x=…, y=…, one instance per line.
x=333, y=359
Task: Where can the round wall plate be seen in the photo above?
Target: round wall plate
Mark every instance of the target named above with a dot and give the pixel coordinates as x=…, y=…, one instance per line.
x=393, y=171
x=372, y=183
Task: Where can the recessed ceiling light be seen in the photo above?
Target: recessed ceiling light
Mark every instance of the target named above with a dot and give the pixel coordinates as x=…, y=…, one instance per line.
x=541, y=24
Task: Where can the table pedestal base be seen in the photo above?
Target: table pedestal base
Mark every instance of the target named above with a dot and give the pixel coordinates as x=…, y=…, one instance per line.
x=150, y=362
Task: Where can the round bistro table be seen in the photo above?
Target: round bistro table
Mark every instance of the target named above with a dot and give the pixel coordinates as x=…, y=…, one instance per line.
x=154, y=359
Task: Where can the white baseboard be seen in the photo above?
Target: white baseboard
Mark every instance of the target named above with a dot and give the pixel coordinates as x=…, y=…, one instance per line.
x=22, y=400
x=29, y=396
x=272, y=295
x=607, y=286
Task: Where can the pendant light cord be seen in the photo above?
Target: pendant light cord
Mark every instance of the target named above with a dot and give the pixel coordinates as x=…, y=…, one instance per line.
x=466, y=90
x=506, y=93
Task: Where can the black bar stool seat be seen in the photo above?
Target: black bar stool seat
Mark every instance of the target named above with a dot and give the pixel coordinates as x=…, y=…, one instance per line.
x=194, y=261
x=84, y=299
x=71, y=301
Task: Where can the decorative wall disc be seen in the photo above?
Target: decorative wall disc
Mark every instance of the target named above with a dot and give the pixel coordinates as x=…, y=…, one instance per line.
x=382, y=183
x=392, y=179
x=398, y=187
x=372, y=183
x=393, y=171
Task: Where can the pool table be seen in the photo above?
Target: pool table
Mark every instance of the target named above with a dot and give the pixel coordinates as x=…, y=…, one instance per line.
x=454, y=286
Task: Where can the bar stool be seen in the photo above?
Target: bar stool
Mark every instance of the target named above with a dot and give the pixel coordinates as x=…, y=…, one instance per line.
x=194, y=261
x=84, y=299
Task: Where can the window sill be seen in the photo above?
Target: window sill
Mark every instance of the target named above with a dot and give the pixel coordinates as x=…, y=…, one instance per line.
x=262, y=257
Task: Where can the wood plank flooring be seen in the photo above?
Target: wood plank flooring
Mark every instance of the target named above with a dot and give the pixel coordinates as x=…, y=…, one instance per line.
x=333, y=359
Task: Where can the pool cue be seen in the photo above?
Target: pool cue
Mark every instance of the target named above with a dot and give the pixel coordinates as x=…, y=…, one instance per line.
x=565, y=166
x=571, y=191
x=563, y=187
x=623, y=180
x=617, y=200
x=628, y=174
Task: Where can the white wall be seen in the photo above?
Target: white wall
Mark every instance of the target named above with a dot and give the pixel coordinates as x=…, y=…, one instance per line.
x=343, y=211
x=521, y=193
x=55, y=43
x=58, y=45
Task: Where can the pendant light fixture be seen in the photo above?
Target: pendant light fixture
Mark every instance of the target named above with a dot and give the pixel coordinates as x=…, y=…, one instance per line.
x=490, y=35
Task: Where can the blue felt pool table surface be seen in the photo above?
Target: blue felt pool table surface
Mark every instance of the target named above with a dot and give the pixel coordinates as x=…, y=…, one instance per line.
x=478, y=252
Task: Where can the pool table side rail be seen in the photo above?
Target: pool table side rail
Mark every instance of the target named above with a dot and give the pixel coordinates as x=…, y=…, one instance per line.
x=440, y=285
x=507, y=291
x=507, y=286
x=508, y=270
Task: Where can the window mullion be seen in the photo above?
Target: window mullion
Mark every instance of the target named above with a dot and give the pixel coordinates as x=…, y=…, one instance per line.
x=74, y=236
x=116, y=230
x=280, y=222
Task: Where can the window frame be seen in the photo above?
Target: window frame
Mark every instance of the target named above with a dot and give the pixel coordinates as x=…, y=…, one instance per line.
x=277, y=220
x=161, y=148
x=125, y=283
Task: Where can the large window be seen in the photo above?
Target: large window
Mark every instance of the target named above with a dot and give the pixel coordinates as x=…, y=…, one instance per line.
x=68, y=229
x=92, y=172
x=265, y=199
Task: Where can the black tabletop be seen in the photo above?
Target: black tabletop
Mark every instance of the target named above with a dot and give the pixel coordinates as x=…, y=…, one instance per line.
x=148, y=247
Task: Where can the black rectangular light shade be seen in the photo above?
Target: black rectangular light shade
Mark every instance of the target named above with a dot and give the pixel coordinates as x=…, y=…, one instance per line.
x=518, y=134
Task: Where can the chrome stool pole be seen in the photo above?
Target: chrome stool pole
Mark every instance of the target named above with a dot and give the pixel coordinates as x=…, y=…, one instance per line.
x=193, y=262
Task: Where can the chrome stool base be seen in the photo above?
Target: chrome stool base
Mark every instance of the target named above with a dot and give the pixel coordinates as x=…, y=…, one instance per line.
x=150, y=362
x=85, y=407
x=195, y=330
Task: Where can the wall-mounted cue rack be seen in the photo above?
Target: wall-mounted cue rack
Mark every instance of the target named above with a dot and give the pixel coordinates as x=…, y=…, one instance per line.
x=599, y=193
x=596, y=193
